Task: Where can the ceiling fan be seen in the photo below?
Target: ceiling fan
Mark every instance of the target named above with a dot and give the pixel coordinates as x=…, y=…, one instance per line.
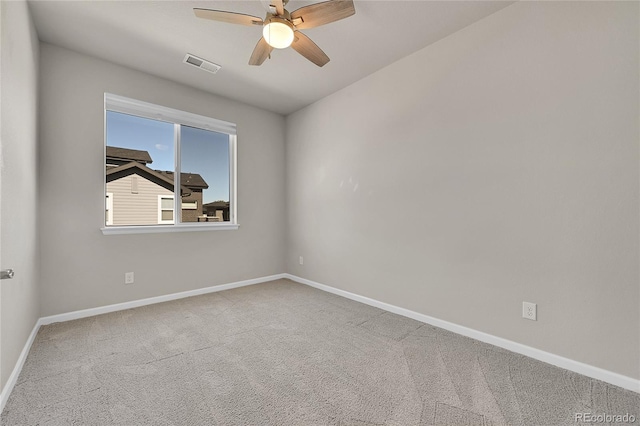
x=280, y=29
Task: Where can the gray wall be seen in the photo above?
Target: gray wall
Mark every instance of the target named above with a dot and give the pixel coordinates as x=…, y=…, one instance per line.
x=496, y=166
x=80, y=267
x=19, y=307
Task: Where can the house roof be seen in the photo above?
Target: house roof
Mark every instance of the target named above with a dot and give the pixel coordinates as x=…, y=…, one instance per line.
x=128, y=154
x=191, y=180
x=154, y=176
x=217, y=204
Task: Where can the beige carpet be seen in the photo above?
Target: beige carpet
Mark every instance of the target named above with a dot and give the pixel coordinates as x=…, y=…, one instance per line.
x=282, y=353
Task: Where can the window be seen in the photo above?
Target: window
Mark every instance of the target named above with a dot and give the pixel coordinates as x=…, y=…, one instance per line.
x=165, y=209
x=167, y=169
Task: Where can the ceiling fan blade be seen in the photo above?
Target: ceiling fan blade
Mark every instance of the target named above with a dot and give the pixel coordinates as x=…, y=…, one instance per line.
x=230, y=17
x=279, y=5
x=322, y=13
x=260, y=53
x=307, y=48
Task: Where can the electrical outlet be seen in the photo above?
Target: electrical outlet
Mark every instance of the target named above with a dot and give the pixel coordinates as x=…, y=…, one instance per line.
x=128, y=278
x=301, y=260
x=529, y=311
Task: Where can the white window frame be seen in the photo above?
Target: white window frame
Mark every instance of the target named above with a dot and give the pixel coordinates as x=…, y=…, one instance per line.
x=179, y=118
x=108, y=206
x=160, y=209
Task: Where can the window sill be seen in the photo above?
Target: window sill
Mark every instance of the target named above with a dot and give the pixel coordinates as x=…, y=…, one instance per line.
x=156, y=229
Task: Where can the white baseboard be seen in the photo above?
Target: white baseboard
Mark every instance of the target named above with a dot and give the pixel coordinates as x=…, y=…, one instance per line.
x=13, y=378
x=557, y=360
x=8, y=387
x=152, y=300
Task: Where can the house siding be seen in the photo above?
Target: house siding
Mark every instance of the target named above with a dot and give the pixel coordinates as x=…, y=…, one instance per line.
x=135, y=209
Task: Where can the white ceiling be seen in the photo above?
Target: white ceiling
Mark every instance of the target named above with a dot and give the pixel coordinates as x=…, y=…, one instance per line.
x=154, y=36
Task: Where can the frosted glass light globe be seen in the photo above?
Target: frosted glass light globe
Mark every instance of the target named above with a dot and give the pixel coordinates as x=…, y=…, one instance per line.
x=278, y=34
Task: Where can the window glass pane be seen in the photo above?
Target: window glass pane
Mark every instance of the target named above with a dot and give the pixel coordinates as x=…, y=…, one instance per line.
x=167, y=204
x=204, y=166
x=139, y=168
x=167, y=214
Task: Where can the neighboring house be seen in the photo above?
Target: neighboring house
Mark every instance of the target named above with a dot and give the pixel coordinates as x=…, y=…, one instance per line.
x=192, y=207
x=217, y=209
x=138, y=195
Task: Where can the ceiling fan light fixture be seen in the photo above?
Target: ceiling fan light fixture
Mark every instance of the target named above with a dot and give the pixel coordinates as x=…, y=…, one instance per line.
x=278, y=33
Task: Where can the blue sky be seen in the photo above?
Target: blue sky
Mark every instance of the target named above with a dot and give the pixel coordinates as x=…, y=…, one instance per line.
x=202, y=151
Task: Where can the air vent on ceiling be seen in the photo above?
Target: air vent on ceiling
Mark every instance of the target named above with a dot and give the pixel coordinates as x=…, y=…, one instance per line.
x=201, y=63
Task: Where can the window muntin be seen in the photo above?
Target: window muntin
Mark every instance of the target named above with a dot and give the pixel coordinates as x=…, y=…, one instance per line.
x=159, y=154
